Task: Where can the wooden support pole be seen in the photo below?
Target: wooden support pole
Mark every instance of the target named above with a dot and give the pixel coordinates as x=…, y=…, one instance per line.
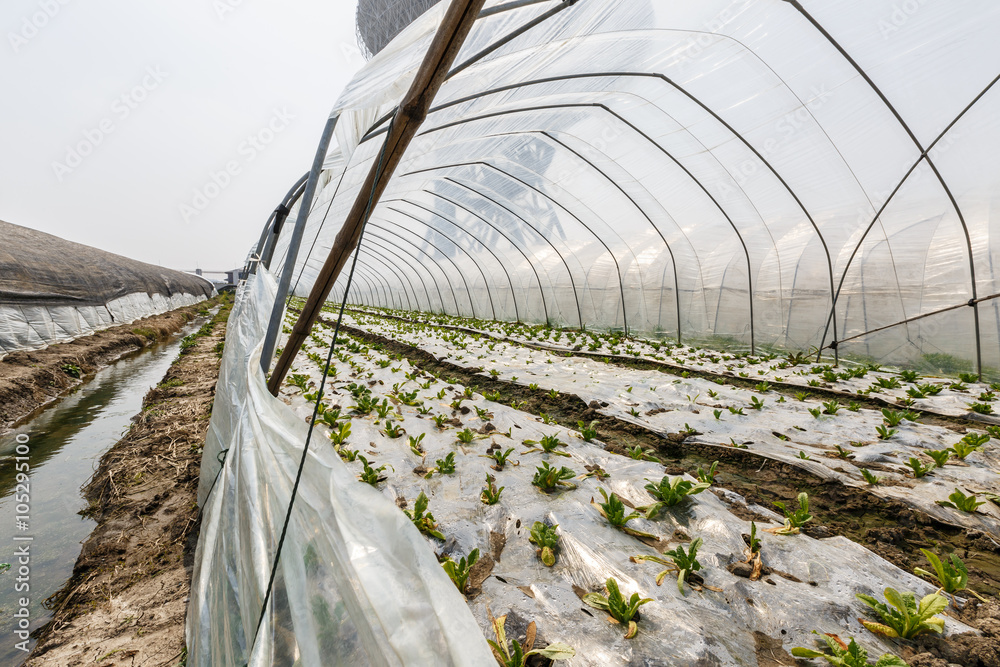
x=412, y=111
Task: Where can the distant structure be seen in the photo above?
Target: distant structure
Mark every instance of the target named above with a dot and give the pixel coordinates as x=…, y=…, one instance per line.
x=381, y=20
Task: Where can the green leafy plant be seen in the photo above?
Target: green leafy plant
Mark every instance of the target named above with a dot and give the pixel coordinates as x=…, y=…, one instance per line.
x=640, y=454
x=499, y=458
x=422, y=519
x=548, y=478
x=547, y=444
x=613, y=509
x=393, y=430
x=961, y=502
x=756, y=403
x=805, y=457
x=370, y=474
x=513, y=654
x=892, y=417
x=981, y=408
x=614, y=603
x=681, y=561
x=707, y=476
x=547, y=539
x=341, y=434
x=670, y=492
x=918, y=468
x=968, y=444
x=830, y=407
x=952, y=576
x=490, y=495
x=870, y=477
x=460, y=570
x=445, y=466
x=846, y=655
x=466, y=436
x=736, y=411
x=905, y=619
x=587, y=431
x=794, y=519
x=884, y=433
x=415, y=444
x=440, y=421
x=940, y=456
x=815, y=412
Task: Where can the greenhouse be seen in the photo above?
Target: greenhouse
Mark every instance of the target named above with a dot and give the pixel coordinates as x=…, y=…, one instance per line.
x=623, y=332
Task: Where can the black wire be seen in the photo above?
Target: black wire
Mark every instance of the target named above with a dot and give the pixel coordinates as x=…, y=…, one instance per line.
x=319, y=397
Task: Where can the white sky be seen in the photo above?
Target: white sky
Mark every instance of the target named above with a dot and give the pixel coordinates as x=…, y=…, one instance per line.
x=198, y=79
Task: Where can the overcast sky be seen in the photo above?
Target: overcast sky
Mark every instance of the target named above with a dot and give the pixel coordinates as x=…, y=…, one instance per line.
x=119, y=118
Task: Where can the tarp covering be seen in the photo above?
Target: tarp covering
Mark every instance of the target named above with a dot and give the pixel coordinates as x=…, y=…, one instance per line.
x=53, y=290
x=767, y=173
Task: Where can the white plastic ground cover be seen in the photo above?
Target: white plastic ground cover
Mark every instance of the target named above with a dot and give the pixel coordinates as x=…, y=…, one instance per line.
x=357, y=585
x=954, y=397
x=785, y=431
x=699, y=628
x=767, y=172
x=35, y=327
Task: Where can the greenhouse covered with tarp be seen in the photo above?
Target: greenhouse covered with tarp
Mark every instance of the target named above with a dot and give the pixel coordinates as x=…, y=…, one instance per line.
x=53, y=290
x=765, y=180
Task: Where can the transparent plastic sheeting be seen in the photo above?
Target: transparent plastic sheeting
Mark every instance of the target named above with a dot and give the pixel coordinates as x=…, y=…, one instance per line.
x=356, y=585
x=706, y=628
x=766, y=173
x=32, y=327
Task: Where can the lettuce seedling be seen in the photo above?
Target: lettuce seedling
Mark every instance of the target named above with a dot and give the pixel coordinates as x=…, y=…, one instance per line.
x=500, y=458
x=918, y=468
x=620, y=609
x=490, y=494
x=369, y=474
x=300, y=380
x=959, y=501
x=439, y=421
x=415, y=445
x=459, y=571
x=940, y=456
x=952, y=577
x=870, y=477
x=707, y=477
x=884, y=433
x=422, y=519
x=466, y=436
x=968, y=444
x=892, y=417
x=348, y=455
x=613, y=509
x=547, y=539
x=587, y=432
x=549, y=478
x=684, y=563
x=639, y=454
x=794, y=519
x=340, y=436
x=547, y=445
x=383, y=408
x=393, y=430
x=669, y=492
x=516, y=655
x=445, y=466
x=907, y=619
x=847, y=655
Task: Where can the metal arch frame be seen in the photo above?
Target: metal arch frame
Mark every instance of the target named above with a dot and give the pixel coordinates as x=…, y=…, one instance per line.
x=266, y=241
x=387, y=291
x=437, y=287
x=372, y=285
x=510, y=281
x=673, y=263
x=463, y=250
x=557, y=203
x=569, y=273
x=541, y=291
x=653, y=75
x=445, y=255
x=923, y=156
x=403, y=279
x=427, y=292
x=597, y=105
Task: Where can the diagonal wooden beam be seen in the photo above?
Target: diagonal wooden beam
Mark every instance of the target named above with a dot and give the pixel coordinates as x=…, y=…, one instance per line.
x=412, y=111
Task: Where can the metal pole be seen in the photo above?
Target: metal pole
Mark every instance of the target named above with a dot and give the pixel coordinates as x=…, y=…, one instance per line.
x=293, y=245
x=281, y=213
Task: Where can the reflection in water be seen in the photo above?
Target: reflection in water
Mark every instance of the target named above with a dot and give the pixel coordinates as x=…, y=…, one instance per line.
x=66, y=442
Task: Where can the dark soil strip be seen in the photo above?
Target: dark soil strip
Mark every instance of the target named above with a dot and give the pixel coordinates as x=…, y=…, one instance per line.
x=887, y=527
x=30, y=380
x=127, y=599
x=955, y=423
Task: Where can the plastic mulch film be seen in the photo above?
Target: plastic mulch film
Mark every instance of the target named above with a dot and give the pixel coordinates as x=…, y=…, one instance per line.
x=812, y=585
x=356, y=585
x=766, y=173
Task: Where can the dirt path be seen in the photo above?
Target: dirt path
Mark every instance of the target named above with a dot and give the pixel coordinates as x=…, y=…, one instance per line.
x=126, y=601
x=30, y=380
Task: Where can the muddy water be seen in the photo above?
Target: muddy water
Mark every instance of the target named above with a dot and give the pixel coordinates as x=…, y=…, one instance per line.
x=61, y=447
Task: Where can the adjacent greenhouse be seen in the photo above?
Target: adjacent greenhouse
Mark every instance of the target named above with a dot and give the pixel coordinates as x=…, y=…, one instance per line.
x=805, y=189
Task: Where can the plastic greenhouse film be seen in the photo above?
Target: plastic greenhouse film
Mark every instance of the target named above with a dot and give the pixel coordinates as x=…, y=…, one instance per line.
x=356, y=585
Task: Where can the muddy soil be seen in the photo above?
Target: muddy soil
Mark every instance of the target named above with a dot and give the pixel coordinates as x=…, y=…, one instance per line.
x=30, y=380
x=888, y=528
x=126, y=601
